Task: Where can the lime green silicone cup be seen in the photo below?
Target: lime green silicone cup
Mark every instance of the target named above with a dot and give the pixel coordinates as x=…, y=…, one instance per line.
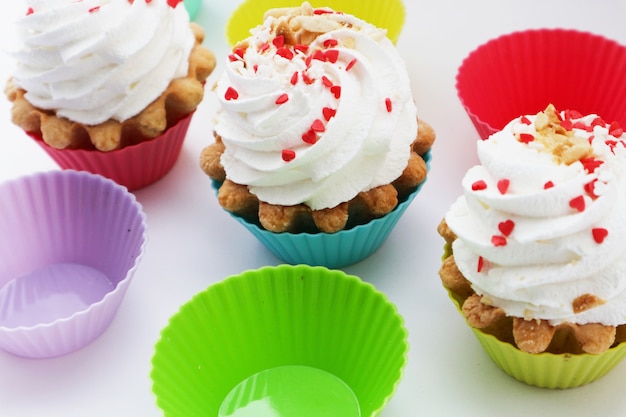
x=389, y=14
x=547, y=370
x=305, y=336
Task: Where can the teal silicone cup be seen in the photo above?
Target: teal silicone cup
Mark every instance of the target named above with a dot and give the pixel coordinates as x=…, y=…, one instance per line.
x=332, y=250
x=275, y=318
x=193, y=7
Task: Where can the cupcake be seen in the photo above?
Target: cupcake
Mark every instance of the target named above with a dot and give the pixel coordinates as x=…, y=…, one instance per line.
x=317, y=132
x=90, y=83
x=535, y=254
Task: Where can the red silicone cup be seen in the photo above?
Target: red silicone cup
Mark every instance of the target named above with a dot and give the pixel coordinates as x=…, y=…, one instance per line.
x=522, y=72
x=135, y=166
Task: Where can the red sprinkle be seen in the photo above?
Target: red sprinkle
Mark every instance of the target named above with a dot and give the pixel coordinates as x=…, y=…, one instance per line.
x=526, y=137
x=30, y=11
x=322, y=11
x=481, y=264
x=94, y=9
x=351, y=64
x=388, y=104
x=285, y=53
x=318, y=126
x=497, y=240
x=264, y=47
x=288, y=155
x=282, y=99
x=328, y=83
x=582, y=126
x=319, y=55
x=578, y=203
x=294, y=78
x=307, y=79
x=329, y=43
x=590, y=188
x=525, y=120
x=231, y=94
x=547, y=185
x=590, y=164
x=567, y=124
x=309, y=137
x=301, y=48
x=615, y=130
x=479, y=185
x=572, y=114
x=598, y=122
x=239, y=52
x=279, y=41
x=173, y=3
x=255, y=67
x=331, y=55
x=506, y=227
x=599, y=234
x=503, y=185
x=336, y=90
x=328, y=113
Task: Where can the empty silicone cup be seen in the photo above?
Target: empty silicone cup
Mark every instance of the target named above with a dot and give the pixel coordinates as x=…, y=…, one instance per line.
x=522, y=72
x=389, y=14
x=70, y=243
x=193, y=7
x=332, y=250
x=281, y=341
x=134, y=166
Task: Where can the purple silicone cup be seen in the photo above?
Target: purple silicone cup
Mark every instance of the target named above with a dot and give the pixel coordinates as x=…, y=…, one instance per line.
x=70, y=243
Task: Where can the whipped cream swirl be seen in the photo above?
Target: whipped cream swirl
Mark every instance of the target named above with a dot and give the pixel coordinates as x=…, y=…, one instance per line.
x=315, y=123
x=95, y=60
x=540, y=224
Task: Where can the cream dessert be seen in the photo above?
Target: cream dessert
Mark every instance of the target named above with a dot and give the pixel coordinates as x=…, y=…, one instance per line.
x=538, y=233
x=316, y=109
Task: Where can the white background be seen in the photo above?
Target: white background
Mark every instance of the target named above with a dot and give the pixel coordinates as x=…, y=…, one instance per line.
x=193, y=243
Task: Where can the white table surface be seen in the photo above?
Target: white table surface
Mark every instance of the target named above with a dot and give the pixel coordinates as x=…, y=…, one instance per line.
x=193, y=243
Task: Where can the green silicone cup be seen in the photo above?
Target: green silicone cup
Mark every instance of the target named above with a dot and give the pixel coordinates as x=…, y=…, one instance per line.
x=547, y=370
x=193, y=7
x=389, y=14
x=279, y=316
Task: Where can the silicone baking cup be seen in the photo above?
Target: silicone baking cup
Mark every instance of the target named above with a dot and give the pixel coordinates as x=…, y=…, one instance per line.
x=70, y=243
x=332, y=250
x=547, y=370
x=134, y=166
x=193, y=7
x=522, y=72
x=388, y=15
x=275, y=331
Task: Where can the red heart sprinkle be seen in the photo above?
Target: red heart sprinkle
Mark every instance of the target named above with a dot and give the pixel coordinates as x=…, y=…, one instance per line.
x=328, y=113
x=231, y=94
x=506, y=227
x=279, y=41
x=294, y=78
x=479, y=185
x=307, y=80
x=319, y=55
x=318, y=126
x=578, y=203
x=590, y=164
x=497, y=240
x=327, y=83
x=282, y=99
x=503, y=185
x=525, y=120
x=547, y=185
x=329, y=43
x=173, y=3
x=94, y=9
x=388, y=104
x=309, y=137
x=301, y=48
x=598, y=122
x=288, y=155
x=567, y=124
x=582, y=126
x=285, y=53
x=599, y=234
x=336, y=90
x=590, y=188
x=572, y=114
x=351, y=64
x=526, y=137
x=615, y=130
x=264, y=47
x=30, y=11
x=332, y=55
x=239, y=52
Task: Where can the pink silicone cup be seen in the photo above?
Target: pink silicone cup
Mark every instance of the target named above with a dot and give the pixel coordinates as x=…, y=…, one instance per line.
x=70, y=243
x=522, y=72
x=135, y=166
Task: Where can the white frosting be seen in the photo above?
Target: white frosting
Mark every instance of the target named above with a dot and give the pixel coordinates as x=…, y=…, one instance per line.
x=363, y=146
x=94, y=60
x=550, y=257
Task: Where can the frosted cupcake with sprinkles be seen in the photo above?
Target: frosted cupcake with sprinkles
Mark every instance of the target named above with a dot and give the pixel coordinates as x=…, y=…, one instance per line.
x=318, y=132
x=535, y=260
x=100, y=92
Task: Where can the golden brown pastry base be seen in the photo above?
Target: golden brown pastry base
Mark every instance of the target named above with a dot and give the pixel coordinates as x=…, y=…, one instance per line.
x=532, y=336
x=300, y=218
x=180, y=98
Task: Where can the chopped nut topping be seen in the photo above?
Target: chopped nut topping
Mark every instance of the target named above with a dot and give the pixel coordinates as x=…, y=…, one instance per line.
x=586, y=302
